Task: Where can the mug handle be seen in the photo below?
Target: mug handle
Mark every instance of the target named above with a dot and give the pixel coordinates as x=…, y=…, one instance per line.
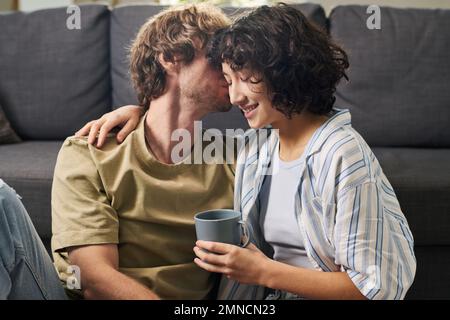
x=245, y=232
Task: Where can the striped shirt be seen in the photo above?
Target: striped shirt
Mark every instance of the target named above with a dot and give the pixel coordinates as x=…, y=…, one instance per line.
x=347, y=211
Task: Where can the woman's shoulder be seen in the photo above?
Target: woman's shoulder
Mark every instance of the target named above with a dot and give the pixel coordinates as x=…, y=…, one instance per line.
x=343, y=160
x=343, y=143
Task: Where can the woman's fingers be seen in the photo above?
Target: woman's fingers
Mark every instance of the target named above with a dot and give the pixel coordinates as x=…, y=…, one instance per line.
x=95, y=128
x=210, y=267
x=216, y=247
x=99, y=129
x=127, y=129
x=252, y=247
x=216, y=258
x=85, y=130
x=209, y=257
x=105, y=128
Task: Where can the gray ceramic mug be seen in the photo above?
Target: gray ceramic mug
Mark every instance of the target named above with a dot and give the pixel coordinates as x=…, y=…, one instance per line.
x=221, y=225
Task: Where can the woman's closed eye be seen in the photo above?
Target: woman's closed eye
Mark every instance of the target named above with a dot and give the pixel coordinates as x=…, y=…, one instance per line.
x=251, y=79
x=244, y=78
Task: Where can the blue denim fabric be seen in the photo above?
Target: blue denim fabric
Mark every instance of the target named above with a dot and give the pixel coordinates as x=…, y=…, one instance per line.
x=26, y=270
x=283, y=295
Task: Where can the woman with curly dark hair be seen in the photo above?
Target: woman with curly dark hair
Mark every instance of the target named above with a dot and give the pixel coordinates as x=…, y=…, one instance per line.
x=325, y=221
x=326, y=206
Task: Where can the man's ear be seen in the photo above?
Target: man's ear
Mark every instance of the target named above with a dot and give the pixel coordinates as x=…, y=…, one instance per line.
x=170, y=66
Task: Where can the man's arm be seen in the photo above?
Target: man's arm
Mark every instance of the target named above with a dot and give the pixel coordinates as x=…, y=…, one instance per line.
x=86, y=225
x=100, y=275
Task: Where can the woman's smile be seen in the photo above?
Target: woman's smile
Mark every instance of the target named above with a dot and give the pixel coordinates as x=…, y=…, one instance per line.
x=249, y=110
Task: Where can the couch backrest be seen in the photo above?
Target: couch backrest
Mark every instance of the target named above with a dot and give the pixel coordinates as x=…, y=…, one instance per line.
x=125, y=23
x=399, y=88
x=52, y=79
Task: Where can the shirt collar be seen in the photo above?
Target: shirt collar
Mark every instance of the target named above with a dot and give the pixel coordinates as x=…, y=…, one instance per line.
x=338, y=119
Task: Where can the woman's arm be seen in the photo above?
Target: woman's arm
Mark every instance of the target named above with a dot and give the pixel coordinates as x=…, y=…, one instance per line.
x=249, y=265
x=126, y=117
x=311, y=284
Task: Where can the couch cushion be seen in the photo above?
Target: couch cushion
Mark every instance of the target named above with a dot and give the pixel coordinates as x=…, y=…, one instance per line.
x=52, y=79
x=7, y=134
x=421, y=180
x=399, y=75
x=125, y=23
x=433, y=274
x=28, y=168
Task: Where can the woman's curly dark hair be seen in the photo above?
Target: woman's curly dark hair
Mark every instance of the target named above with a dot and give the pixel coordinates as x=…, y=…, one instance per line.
x=298, y=62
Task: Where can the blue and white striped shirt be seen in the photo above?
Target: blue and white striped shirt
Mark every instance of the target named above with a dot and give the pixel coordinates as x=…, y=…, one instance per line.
x=346, y=209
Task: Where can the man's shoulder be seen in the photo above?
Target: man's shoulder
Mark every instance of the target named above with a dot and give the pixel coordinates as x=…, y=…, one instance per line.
x=77, y=158
x=77, y=152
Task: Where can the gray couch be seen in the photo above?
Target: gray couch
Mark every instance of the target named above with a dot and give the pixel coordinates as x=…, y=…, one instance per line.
x=53, y=80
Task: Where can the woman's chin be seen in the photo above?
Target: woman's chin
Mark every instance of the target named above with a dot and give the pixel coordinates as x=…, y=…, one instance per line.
x=256, y=124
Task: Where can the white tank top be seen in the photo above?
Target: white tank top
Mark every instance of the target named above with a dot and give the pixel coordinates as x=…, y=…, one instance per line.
x=278, y=218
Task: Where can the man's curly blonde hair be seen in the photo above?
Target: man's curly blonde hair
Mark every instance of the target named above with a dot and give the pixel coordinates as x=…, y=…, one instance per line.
x=173, y=32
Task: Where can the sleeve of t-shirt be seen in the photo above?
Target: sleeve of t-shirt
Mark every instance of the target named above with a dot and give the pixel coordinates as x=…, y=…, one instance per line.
x=81, y=211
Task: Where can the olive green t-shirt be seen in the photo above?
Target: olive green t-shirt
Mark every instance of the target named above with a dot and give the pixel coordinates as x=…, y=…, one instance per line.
x=121, y=194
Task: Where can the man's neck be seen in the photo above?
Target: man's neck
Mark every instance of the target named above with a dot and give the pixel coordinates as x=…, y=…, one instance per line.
x=167, y=114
